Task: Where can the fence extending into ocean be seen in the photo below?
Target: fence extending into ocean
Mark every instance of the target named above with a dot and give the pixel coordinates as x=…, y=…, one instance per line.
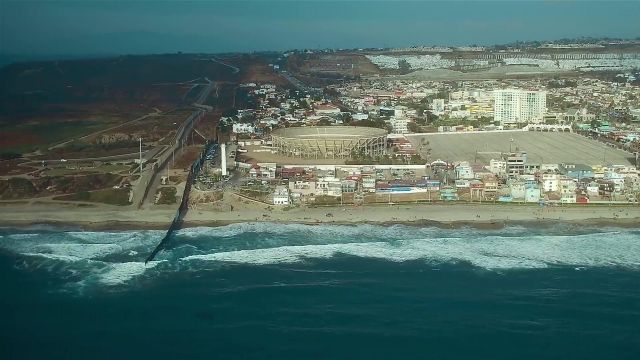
x=194, y=170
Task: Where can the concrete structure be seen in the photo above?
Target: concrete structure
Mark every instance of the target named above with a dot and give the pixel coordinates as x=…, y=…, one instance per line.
x=329, y=141
x=541, y=147
x=464, y=171
x=513, y=106
x=280, y=195
x=577, y=171
x=399, y=125
x=223, y=157
x=516, y=164
x=243, y=128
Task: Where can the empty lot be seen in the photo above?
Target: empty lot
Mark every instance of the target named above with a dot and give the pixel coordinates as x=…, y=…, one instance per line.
x=541, y=147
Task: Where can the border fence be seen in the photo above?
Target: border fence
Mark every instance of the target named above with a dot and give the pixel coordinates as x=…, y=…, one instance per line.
x=194, y=170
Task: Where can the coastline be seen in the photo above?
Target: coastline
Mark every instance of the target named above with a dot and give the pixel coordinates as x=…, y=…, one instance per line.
x=451, y=216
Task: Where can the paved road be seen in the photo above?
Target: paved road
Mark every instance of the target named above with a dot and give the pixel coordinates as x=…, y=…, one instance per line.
x=181, y=137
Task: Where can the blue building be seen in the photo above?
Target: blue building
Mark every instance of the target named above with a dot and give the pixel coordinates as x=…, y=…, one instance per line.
x=576, y=171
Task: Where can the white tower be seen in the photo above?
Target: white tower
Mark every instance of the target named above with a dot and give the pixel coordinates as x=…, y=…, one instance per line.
x=223, y=155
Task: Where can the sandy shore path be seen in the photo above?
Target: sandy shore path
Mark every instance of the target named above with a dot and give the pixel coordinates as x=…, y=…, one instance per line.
x=108, y=217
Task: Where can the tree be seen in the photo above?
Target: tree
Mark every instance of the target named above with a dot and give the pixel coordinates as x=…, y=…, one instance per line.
x=413, y=127
x=324, y=122
x=346, y=118
x=404, y=66
x=425, y=148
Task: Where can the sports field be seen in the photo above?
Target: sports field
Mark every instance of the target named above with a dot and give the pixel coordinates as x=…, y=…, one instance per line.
x=541, y=147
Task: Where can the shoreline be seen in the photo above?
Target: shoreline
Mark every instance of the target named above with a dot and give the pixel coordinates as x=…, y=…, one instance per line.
x=481, y=217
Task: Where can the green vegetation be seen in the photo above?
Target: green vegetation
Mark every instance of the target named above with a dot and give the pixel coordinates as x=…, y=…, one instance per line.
x=49, y=133
x=10, y=155
x=476, y=123
x=403, y=66
x=115, y=168
x=17, y=188
x=376, y=123
x=326, y=200
x=166, y=196
x=106, y=196
x=21, y=188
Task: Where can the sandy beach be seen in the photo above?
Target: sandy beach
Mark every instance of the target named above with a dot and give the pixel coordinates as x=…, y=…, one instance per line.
x=444, y=215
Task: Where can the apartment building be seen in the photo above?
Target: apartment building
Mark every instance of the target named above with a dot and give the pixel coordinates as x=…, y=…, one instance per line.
x=513, y=106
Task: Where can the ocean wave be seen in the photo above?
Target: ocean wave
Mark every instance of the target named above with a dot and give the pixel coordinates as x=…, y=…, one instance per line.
x=87, y=245
x=489, y=253
x=121, y=273
x=85, y=259
x=395, y=231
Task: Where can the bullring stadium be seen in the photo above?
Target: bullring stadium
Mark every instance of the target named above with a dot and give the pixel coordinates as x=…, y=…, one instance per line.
x=329, y=141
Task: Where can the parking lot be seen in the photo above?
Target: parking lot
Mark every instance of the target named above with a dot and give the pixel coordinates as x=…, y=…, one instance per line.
x=542, y=147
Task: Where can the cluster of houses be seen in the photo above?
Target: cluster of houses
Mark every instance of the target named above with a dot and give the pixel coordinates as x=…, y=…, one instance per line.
x=276, y=107
x=504, y=180
x=577, y=102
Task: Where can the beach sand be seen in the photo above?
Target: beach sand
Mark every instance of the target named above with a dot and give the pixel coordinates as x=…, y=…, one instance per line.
x=443, y=215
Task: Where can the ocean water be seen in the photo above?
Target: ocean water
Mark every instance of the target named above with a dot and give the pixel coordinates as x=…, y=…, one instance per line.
x=270, y=291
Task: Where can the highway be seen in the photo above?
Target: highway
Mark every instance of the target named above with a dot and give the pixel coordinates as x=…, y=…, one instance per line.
x=295, y=82
x=149, y=180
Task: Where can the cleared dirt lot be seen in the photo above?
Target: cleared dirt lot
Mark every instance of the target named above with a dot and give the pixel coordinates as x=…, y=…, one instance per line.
x=541, y=147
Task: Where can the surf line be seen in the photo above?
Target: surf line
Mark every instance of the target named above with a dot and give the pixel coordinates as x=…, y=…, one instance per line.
x=184, y=204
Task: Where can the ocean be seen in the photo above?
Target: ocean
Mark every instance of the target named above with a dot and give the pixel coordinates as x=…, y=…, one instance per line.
x=272, y=291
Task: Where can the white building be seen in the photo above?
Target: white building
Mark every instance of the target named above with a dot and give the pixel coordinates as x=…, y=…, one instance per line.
x=328, y=186
x=513, y=106
x=550, y=182
x=281, y=195
x=498, y=167
x=464, y=171
x=360, y=116
x=243, y=128
x=399, y=125
x=437, y=106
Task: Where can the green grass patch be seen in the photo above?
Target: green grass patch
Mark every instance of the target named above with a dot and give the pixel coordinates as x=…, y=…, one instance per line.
x=166, y=196
x=115, y=168
x=51, y=133
x=105, y=196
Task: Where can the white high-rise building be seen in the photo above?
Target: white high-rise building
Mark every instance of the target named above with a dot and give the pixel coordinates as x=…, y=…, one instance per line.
x=399, y=125
x=513, y=106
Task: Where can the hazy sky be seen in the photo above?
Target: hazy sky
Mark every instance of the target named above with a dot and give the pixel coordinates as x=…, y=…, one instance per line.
x=144, y=26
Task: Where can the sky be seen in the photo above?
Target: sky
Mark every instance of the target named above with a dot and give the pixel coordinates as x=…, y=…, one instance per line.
x=160, y=26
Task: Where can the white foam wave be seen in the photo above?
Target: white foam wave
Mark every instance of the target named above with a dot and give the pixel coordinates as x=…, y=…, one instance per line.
x=84, y=251
x=326, y=231
x=490, y=253
x=86, y=245
x=121, y=273
x=65, y=258
x=100, y=237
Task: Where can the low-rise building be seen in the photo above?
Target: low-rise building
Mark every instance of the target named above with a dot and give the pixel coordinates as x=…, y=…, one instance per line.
x=240, y=128
x=329, y=186
x=498, y=167
x=576, y=171
x=280, y=195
